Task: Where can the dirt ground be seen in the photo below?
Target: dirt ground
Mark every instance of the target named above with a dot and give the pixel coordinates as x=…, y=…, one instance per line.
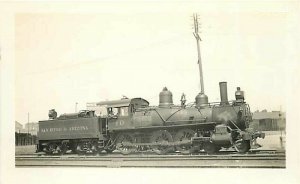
x=21, y=150
x=271, y=141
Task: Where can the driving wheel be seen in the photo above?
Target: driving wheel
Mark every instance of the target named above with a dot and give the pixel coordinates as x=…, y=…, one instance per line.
x=124, y=143
x=161, y=140
x=182, y=136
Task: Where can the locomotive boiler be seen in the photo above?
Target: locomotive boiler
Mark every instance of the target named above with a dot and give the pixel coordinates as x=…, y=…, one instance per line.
x=132, y=125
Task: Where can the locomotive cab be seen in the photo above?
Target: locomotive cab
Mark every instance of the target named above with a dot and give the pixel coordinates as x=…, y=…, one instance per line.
x=119, y=112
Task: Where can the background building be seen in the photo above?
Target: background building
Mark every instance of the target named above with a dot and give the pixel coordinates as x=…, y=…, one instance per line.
x=18, y=127
x=31, y=128
x=25, y=135
x=99, y=110
x=268, y=121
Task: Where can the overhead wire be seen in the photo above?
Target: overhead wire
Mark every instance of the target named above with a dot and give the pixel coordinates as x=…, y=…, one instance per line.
x=104, y=58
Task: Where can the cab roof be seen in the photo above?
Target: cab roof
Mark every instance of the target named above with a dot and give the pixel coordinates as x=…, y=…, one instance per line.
x=139, y=102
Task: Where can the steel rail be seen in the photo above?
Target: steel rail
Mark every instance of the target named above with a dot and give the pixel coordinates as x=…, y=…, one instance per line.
x=178, y=162
x=174, y=157
x=155, y=156
x=149, y=153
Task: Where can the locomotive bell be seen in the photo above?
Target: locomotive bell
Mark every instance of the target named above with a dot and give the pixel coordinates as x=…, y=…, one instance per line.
x=201, y=100
x=165, y=98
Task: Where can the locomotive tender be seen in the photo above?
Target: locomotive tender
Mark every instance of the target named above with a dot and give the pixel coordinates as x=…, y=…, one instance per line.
x=131, y=125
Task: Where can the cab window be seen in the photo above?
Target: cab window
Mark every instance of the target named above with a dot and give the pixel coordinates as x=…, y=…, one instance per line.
x=118, y=111
x=123, y=111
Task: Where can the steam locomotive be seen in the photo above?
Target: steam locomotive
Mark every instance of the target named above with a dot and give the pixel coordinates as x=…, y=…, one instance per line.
x=131, y=125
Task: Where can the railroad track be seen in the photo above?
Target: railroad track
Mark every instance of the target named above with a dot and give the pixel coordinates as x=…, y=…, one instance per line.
x=263, y=160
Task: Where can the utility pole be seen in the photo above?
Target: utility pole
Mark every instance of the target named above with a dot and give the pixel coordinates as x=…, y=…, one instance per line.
x=198, y=39
x=28, y=128
x=76, y=107
x=201, y=98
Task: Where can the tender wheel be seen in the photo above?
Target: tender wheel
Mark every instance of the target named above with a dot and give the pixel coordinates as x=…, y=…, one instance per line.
x=162, y=137
x=123, y=142
x=182, y=136
x=81, y=148
x=242, y=146
x=53, y=148
x=86, y=147
x=210, y=148
x=63, y=148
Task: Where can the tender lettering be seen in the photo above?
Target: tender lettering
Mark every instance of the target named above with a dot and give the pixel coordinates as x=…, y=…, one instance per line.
x=78, y=128
x=73, y=128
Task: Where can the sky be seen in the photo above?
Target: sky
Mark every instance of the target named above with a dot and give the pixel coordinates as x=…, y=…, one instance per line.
x=64, y=58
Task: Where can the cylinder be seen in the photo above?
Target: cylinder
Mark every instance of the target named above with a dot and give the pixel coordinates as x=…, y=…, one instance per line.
x=165, y=98
x=223, y=93
x=221, y=136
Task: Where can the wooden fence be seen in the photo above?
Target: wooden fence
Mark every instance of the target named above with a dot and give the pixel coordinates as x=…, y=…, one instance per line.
x=22, y=139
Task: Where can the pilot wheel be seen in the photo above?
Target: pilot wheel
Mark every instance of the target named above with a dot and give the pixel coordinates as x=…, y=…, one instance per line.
x=210, y=148
x=242, y=146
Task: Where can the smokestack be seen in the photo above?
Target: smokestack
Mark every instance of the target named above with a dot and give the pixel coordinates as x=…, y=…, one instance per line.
x=223, y=93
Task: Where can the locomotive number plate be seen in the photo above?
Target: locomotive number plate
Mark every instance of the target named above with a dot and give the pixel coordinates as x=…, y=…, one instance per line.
x=120, y=123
